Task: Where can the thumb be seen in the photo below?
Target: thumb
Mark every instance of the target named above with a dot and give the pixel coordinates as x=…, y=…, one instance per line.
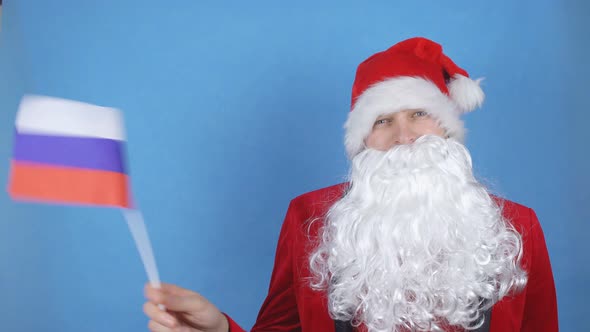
x=190, y=303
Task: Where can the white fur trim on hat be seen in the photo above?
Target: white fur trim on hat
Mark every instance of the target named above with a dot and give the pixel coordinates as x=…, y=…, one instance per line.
x=466, y=92
x=394, y=95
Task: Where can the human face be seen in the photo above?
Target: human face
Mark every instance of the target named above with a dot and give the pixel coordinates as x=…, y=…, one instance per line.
x=402, y=127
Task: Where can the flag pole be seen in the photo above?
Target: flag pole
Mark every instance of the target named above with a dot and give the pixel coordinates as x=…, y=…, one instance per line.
x=142, y=241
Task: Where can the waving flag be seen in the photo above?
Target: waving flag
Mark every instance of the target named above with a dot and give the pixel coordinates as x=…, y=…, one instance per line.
x=69, y=152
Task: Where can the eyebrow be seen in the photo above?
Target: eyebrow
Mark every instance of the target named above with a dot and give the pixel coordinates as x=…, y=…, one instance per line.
x=385, y=116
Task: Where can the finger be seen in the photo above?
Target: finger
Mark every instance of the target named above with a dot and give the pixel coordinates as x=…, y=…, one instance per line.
x=153, y=294
x=167, y=289
x=176, y=290
x=156, y=295
x=194, y=303
x=186, y=301
x=159, y=316
x=156, y=327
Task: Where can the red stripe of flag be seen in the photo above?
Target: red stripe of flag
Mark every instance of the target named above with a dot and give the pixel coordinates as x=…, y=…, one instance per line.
x=55, y=184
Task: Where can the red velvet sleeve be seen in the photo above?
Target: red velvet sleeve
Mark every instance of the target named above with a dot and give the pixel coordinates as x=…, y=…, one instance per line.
x=279, y=310
x=540, y=311
x=233, y=326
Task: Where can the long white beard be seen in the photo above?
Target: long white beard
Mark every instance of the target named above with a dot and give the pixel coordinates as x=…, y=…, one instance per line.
x=416, y=243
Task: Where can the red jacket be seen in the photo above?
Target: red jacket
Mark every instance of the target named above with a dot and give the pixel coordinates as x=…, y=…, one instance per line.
x=291, y=305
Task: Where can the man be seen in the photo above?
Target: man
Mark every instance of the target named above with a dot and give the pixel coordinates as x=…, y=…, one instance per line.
x=413, y=242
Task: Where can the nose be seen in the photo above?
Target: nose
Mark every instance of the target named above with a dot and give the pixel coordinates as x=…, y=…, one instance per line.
x=404, y=134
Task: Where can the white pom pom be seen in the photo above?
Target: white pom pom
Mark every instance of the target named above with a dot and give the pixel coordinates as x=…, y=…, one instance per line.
x=466, y=92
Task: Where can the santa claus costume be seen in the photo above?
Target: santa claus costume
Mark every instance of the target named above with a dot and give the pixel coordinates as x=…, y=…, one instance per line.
x=413, y=242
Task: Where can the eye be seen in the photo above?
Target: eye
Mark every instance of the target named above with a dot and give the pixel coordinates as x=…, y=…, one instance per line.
x=382, y=121
x=420, y=114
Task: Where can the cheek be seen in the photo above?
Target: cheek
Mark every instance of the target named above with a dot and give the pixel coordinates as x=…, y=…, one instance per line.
x=431, y=127
x=378, y=140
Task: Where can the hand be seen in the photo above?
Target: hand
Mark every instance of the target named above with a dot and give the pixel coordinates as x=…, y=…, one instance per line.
x=186, y=311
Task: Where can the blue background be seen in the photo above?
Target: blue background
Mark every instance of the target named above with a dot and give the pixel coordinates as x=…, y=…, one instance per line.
x=234, y=108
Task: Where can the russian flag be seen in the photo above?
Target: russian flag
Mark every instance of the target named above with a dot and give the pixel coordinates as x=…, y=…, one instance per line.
x=69, y=152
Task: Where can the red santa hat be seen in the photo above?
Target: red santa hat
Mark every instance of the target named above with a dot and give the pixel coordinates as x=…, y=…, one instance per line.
x=413, y=74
